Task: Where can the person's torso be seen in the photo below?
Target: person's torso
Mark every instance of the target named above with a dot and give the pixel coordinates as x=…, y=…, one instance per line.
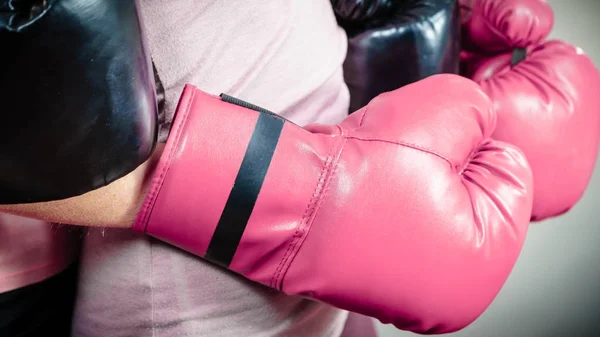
x=283, y=55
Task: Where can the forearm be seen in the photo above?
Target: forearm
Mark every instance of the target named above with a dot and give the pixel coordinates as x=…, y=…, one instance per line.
x=115, y=205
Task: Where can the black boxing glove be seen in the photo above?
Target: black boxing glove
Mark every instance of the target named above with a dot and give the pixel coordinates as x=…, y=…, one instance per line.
x=78, y=97
x=359, y=10
x=395, y=43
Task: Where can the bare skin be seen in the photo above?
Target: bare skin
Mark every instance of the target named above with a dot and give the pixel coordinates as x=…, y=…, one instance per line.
x=115, y=205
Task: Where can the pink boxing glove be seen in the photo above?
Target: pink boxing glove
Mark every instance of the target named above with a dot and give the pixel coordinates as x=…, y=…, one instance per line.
x=547, y=96
x=406, y=211
x=491, y=26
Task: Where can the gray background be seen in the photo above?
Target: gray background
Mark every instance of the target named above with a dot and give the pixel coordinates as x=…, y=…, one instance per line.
x=554, y=289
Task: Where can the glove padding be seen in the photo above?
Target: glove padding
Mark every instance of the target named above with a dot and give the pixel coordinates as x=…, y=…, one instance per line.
x=406, y=211
x=394, y=43
x=491, y=26
x=78, y=97
x=546, y=95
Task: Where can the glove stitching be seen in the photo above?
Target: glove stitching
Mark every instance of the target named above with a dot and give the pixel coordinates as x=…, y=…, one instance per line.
x=401, y=143
x=311, y=207
x=155, y=189
x=405, y=144
x=364, y=115
x=309, y=214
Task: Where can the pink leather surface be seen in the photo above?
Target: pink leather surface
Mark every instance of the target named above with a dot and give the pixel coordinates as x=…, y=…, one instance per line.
x=406, y=211
x=280, y=218
x=500, y=25
x=548, y=105
x=211, y=178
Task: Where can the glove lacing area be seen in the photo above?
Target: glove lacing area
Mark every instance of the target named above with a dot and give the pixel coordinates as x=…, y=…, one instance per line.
x=518, y=55
x=16, y=15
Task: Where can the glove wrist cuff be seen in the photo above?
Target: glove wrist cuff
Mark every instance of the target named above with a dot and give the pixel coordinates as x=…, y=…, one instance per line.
x=228, y=176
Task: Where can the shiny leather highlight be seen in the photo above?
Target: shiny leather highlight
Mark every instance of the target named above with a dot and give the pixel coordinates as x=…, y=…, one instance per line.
x=406, y=211
x=392, y=44
x=78, y=97
x=548, y=104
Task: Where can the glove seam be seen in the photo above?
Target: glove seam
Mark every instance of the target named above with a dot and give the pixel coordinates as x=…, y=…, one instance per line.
x=309, y=215
x=408, y=145
x=400, y=143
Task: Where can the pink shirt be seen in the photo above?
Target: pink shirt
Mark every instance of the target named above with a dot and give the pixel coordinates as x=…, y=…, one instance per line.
x=33, y=250
x=284, y=55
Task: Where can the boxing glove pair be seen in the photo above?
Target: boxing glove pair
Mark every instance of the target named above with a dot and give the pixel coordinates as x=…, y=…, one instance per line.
x=546, y=95
x=394, y=43
x=407, y=211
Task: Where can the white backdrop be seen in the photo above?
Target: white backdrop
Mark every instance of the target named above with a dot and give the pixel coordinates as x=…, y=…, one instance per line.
x=554, y=290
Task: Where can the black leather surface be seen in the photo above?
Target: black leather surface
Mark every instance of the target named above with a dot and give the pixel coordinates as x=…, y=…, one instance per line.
x=395, y=43
x=77, y=93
